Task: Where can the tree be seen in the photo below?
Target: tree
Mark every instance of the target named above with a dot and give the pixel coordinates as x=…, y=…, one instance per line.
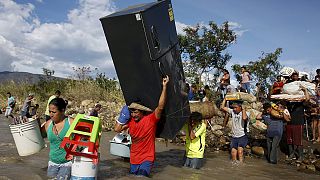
x=264, y=70
x=47, y=72
x=203, y=48
x=83, y=73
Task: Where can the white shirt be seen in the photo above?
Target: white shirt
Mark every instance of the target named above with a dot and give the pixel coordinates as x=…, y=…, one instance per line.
x=238, y=124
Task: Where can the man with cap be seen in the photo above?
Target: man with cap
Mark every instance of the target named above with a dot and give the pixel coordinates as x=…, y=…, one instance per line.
x=142, y=129
x=239, y=128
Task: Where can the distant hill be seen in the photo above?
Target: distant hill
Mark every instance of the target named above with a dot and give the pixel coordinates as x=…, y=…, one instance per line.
x=26, y=77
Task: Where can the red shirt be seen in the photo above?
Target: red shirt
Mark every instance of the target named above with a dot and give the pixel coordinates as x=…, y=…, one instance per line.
x=277, y=84
x=143, y=134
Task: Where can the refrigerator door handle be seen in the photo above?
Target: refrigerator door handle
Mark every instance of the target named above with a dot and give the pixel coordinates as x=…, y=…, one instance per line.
x=155, y=39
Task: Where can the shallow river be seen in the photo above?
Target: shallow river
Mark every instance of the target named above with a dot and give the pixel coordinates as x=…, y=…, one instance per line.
x=167, y=165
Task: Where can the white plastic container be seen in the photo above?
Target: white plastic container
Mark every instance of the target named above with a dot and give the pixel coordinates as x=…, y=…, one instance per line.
x=83, y=169
x=27, y=137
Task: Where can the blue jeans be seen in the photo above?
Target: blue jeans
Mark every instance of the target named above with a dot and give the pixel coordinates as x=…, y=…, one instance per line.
x=246, y=86
x=195, y=163
x=273, y=146
x=59, y=171
x=143, y=169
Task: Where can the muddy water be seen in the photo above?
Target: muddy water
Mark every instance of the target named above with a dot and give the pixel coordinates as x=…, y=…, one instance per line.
x=167, y=165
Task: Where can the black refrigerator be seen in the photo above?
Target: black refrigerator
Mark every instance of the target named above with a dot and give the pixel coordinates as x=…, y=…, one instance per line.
x=144, y=47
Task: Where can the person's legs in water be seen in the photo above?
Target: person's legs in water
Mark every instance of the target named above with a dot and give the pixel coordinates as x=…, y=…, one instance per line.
x=243, y=141
x=142, y=169
x=196, y=163
x=234, y=154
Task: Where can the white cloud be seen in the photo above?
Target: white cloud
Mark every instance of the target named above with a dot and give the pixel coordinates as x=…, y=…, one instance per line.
x=237, y=28
x=29, y=45
x=180, y=26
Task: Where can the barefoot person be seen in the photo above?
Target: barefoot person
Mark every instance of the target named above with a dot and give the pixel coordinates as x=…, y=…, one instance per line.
x=142, y=129
x=55, y=129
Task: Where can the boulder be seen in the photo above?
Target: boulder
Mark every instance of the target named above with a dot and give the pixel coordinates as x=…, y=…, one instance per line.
x=257, y=150
x=317, y=165
x=207, y=109
x=216, y=127
x=259, y=125
x=218, y=133
x=87, y=103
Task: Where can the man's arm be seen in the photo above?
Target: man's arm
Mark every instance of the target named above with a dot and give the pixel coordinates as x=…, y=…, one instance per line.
x=120, y=127
x=223, y=106
x=244, y=114
x=163, y=97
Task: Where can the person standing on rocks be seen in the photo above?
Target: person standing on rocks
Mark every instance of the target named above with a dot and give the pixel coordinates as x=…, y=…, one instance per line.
x=56, y=95
x=239, y=128
x=245, y=79
x=195, y=130
x=11, y=105
x=142, y=129
x=55, y=129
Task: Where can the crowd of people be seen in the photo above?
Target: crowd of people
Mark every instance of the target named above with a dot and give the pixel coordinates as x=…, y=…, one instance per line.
x=282, y=118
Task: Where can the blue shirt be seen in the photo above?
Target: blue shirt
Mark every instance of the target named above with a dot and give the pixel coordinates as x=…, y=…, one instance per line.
x=275, y=126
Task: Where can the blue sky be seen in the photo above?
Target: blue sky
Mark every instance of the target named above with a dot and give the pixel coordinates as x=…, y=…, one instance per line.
x=62, y=34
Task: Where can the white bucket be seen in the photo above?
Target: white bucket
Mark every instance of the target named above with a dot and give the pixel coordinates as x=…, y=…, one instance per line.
x=27, y=137
x=83, y=169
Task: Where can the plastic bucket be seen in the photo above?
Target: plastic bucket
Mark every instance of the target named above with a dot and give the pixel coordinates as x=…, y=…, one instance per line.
x=27, y=137
x=83, y=168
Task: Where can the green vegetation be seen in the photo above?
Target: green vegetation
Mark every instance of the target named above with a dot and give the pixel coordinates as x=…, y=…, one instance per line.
x=203, y=49
x=74, y=90
x=264, y=70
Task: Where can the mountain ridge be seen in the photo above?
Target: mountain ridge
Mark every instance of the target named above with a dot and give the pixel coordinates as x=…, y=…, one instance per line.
x=23, y=77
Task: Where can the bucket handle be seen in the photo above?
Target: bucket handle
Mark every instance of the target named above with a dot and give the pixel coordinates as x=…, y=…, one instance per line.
x=21, y=134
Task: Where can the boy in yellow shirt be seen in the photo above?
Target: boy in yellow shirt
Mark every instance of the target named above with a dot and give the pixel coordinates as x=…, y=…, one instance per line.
x=195, y=130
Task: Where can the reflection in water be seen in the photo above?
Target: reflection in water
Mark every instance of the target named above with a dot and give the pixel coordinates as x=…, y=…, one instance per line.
x=168, y=164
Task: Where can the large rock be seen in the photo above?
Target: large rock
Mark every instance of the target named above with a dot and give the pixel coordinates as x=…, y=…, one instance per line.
x=257, y=150
x=253, y=115
x=317, y=165
x=207, y=109
x=87, y=103
x=216, y=127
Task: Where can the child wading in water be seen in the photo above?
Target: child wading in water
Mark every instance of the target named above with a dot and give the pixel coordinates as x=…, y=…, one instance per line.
x=195, y=130
x=239, y=129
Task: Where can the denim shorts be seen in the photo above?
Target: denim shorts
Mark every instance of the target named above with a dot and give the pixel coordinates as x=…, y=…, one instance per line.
x=59, y=171
x=239, y=142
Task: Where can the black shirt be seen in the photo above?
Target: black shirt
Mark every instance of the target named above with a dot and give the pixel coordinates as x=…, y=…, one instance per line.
x=296, y=110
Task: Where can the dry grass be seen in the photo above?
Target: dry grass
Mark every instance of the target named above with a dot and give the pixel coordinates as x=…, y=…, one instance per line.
x=72, y=90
